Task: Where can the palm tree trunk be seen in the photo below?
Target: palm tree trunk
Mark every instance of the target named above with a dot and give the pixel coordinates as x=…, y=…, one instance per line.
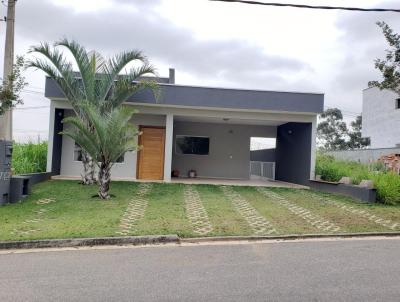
x=104, y=180
x=92, y=170
x=88, y=177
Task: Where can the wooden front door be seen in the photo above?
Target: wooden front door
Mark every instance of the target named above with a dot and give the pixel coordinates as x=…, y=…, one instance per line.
x=151, y=157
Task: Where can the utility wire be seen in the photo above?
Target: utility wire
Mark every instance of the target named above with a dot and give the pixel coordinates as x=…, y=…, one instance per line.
x=360, y=9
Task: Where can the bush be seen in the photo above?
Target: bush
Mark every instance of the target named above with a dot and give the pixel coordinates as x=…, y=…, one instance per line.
x=388, y=187
x=29, y=157
x=386, y=183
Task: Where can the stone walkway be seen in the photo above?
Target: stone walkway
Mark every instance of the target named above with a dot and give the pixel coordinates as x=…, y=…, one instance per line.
x=258, y=223
x=30, y=226
x=135, y=210
x=394, y=226
x=196, y=212
x=313, y=219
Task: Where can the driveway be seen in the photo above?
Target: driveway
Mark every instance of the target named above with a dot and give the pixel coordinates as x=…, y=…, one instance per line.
x=343, y=270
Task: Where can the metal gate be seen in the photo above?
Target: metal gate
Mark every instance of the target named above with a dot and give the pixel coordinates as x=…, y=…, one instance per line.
x=262, y=169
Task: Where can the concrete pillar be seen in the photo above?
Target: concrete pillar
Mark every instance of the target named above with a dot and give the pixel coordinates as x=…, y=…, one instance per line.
x=50, y=137
x=313, y=148
x=169, y=138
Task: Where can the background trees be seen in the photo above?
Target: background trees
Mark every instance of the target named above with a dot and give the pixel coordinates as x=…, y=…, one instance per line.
x=12, y=86
x=333, y=133
x=390, y=65
x=355, y=139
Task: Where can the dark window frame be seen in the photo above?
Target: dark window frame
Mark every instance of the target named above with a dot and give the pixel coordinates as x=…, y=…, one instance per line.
x=178, y=150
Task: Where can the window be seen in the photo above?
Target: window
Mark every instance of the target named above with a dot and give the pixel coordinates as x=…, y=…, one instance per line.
x=397, y=106
x=198, y=145
x=78, y=154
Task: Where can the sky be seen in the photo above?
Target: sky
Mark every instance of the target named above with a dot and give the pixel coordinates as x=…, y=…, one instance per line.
x=212, y=44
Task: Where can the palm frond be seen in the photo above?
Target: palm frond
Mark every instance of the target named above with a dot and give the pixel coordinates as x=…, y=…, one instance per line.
x=115, y=65
x=85, y=66
x=57, y=67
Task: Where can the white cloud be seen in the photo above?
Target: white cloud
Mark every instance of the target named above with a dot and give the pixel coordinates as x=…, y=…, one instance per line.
x=217, y=44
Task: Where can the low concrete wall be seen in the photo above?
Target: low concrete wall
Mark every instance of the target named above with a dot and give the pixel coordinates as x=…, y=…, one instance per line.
x=21, y=185
x=360, y=193
x=35, y=178
x=364, y=156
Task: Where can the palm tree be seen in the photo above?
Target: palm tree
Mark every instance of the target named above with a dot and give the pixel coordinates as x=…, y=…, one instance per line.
x=98, y=81
x=111, y=136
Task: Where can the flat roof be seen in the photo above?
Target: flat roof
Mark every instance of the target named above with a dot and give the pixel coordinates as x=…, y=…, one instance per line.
x=214, y=97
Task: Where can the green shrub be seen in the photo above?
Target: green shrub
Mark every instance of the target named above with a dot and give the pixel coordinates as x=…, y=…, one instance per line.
x=386, y=183
x=29, y=157
x=387, y=187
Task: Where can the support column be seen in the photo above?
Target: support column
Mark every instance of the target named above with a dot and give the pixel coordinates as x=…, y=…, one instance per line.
x=50, y=137
x=169, y=138
x=313, y=148
x=54, y=148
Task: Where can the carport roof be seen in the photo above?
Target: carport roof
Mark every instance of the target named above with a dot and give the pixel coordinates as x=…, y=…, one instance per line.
x=210, y=97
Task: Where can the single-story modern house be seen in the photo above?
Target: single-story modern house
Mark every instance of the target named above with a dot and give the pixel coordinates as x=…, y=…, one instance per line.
x=202, y=129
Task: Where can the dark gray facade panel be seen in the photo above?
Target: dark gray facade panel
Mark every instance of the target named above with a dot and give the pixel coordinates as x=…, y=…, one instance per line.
x=265, y=155
x=220, y=98
x=5, y=170
x=293, y=152
x=57, y=141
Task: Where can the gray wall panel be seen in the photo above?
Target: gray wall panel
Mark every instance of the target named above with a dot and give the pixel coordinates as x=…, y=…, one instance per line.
x=265, y=155
x=229, y=155
x=293, y=152
x=220, y=98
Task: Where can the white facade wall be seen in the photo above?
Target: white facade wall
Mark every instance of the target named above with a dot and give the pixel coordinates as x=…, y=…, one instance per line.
x=381, y=119
x=124, y=170
x=229, y=153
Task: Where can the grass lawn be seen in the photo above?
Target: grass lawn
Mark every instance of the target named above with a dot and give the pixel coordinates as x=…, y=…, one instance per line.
x=65, y=209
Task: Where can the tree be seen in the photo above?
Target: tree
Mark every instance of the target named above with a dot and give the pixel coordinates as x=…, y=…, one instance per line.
x=98, y=82
x=332, y=130
x=111, y=136
x=356, y=141
x=390, y=66
x=12, y=87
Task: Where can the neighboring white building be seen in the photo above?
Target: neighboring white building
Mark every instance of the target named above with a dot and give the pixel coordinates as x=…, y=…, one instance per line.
x=381, y=117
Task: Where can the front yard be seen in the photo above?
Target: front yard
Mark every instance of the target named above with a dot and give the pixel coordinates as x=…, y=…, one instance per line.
x=65, y=209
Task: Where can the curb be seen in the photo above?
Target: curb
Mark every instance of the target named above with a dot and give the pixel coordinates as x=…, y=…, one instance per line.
x=79, y=242
x=288, y=237
x=163, y=239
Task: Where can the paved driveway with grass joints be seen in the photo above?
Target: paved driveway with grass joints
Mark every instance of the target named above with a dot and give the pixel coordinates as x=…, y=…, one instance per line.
x=135, y=210
x=257, y=223
x=66, y=209
x=196, y=212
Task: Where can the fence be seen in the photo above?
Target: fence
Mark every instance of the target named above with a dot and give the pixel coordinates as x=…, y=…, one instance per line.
x=262, y=169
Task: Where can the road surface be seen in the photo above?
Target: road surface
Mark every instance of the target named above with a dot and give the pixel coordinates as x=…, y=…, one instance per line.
x=344, y=270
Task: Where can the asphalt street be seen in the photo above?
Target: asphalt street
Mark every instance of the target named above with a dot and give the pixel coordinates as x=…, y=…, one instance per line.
x=344, y=270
